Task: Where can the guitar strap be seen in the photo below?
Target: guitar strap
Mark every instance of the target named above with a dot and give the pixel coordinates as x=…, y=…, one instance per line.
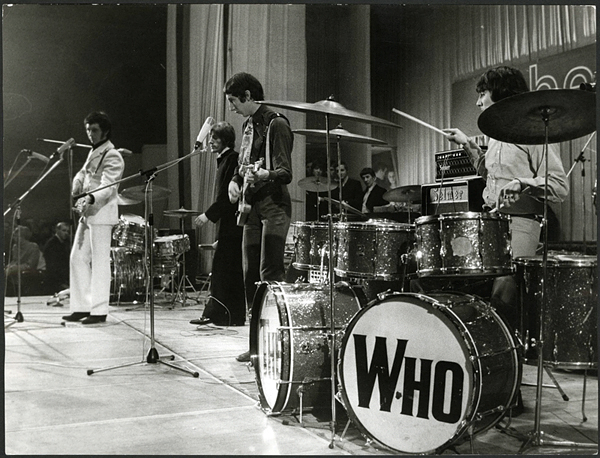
x=268, y=164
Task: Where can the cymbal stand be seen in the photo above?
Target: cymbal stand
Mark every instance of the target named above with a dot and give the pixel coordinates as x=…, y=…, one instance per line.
x=535, y=437
x=184, y=281
x=153, y=356
x=17, y=204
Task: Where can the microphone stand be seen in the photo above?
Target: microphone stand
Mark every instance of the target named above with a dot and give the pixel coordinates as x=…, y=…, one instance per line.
x=17, y=204
x=153, y=356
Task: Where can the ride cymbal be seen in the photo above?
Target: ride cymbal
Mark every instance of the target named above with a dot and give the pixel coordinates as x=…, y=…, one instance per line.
x=336, y=135
x=330, y=106
x=139, y=192
x=571, y=114
x=410, y=194
x=180, y=213
x=126, y=200
x=316, y=184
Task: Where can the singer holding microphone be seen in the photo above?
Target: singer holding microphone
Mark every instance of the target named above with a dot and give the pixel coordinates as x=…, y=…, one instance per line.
x=90, y=254
x=227, y=304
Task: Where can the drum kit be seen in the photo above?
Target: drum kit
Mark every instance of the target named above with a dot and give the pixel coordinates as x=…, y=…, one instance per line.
x=406, y=365
x=128, y=259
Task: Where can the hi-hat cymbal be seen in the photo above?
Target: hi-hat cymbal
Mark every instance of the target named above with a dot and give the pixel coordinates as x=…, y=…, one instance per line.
x=571, y=114
x=338, y=134
x=410, y=194
x=330, y=106
x=316, y=184
x=139, y=192
x=126, y=200
x=180, y=213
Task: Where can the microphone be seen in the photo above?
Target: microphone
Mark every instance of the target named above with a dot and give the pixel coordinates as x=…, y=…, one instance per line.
x=208, y=124
x=34, y=155
x=65, y=146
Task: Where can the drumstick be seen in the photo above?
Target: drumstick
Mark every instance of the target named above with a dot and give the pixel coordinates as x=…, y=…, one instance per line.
x=412, y=118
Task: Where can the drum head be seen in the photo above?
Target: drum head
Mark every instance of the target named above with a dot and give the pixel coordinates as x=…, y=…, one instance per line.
x=406, y=377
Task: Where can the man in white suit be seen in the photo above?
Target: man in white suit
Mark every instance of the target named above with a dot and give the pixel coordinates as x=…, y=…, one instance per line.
x=90, y=255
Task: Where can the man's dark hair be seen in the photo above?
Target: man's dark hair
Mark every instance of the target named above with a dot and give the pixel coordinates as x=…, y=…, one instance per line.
x=100, y=118
x=367, y=171
x=502, y=82
x=224, y=132
x=241, y=82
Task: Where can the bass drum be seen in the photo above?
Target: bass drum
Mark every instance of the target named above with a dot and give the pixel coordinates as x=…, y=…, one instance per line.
x=288, y=341
x=417, y=372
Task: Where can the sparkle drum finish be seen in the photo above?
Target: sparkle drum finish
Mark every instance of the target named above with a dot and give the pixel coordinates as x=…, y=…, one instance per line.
x=129, y=232
x=128, y=279
x=570, y=326
x=311, y=245
x=171, y=245
x=373, y=249
x=419, y=372
x=463, y=244
x=289, y=343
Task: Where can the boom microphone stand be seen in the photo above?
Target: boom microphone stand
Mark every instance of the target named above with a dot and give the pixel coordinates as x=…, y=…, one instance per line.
x=153, y=356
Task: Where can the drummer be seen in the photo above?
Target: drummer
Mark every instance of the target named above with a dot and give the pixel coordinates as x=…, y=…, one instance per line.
x=515, y=177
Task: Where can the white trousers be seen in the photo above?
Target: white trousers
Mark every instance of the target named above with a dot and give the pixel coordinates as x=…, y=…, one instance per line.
x=90, y=269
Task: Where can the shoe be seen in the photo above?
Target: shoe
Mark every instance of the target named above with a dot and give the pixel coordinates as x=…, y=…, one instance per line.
x=76, y=316
x=201, y=321
x=93, y=319
x=244, y=357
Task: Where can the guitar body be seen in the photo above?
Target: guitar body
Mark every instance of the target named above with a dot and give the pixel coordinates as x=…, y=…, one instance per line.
x=244, y=207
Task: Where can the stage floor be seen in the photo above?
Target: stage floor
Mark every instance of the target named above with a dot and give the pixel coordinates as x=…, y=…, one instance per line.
x=53, y=407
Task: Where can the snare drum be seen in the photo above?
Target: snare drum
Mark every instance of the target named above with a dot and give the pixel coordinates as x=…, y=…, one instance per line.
x=372, y=249
x=171, y=246
x=463, y=244
x=289, y=341
x=130, y=232
x=417, y=372
x=311, y=246
x=570, y=325
x=128, y=279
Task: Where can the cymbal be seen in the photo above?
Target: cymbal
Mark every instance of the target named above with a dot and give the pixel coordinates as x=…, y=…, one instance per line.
x=410, y=194
x=316, y=184
x=571, y=114
x=338, y=135
x=139, y=192
x=126, y=200
x=330, y=106
x=181, y=213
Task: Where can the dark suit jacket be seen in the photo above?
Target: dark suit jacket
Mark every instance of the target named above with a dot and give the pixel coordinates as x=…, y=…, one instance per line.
x=351, y=192
x=375, y=199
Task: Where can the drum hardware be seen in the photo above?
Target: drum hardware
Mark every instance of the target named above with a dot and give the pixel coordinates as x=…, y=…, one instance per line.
x=519, y=119
x=329, y=108
x=147, y=195
x=184, y=281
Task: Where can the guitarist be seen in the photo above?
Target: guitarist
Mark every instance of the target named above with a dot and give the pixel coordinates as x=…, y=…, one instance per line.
x=266, y=135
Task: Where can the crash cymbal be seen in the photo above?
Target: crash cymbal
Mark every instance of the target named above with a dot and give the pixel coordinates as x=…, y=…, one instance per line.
x=139, y=192
x=181, y=213
x=330, y=106
x=571, y=114
x=316, y=184
x=410, y=194
x=126, y=200
x=336, y=135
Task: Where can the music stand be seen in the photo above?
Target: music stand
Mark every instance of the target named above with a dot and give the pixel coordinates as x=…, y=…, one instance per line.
x=517, y=119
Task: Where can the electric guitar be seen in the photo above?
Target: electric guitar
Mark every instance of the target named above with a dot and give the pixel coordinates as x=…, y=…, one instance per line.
x=243, y=206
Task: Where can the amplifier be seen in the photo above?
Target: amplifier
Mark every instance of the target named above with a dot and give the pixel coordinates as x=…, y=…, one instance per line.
x=453, y=164
x=453, y=196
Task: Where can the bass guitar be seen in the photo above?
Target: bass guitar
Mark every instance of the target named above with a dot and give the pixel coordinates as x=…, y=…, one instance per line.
x=243, y=206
